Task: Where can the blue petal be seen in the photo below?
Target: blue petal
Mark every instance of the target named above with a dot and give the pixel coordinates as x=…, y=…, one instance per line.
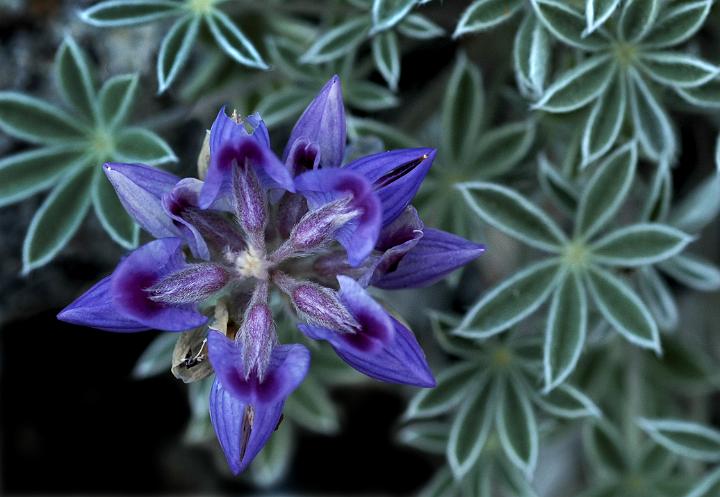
x=323, y=124
x=94, y=308
x=434, y=256
x=396, y=176
x=227, y=414
x=184, y=195
x=140, y=270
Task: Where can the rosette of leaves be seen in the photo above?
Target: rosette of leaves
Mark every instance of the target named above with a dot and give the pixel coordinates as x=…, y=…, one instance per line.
x=489, y=398
x=182, y=36
x=630, y=59
x=469, y=150
x=379, y=21
x=581, y=272
x=73, y=142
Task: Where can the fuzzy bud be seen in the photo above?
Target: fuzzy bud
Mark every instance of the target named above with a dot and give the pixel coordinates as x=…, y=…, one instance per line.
x=249, y=201
x=257, y=333
x=191, y=284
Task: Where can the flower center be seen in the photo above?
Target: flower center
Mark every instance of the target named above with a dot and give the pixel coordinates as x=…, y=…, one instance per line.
x=250, y=263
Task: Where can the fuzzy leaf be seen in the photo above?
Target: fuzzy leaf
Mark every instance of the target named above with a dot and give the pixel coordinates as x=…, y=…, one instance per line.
x=430, y=436
x=73, y=78
x=556, y=186
x=452, y=387
x=678, y=23
x=143, y=146
x=501, y=148
x=36, y=121
x=568, y=25
x=482, y=15
x=598, y=11
x=510, y=301
x=232, y=41
x=116, y=99
x=531, y=55
x=578, y=86
x=442, y=484
x=705, y=96
x=604, y=445
x=567, y=401
x=693, y=271
x=678, y=69
x=175, y=50
x=387, y=13
x=462, y=111
x=273, y=461
x=604, y=121
x=639, y=245
x=685, y=438
x=699, y=207
x=658, y=297
x=606, y=190
x=281, y=106
x=637, y=18
x=387, y=57
x=57, y=219
x=708, y=486
x=516, y=426
x=652, y=124
x=129, y=12
x=112, y=215
x=566, y=330
x=623, y=309
x=370, y=97
x=420, y=27
x=513, y=214
x=337, y=42
x=156, y=358
x=311, y=407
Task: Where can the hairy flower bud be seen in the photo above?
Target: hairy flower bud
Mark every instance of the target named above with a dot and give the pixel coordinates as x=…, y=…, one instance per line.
x=257, y=333
x=290, y=210
x=192, y=284
x=249, y=201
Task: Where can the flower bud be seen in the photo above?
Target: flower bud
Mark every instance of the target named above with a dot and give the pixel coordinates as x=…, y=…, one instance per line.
x=249, y=201
x=192, y=284
x=316, y=228
x=257, y=333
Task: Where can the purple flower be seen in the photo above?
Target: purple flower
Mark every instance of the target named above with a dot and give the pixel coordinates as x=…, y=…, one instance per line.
x=317, y=231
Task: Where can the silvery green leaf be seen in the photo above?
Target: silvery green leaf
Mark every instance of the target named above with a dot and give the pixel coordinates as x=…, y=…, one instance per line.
x=337, y=42
x=233, y=41
x=156, y=358
x=129, y=12
x=386, y=55
x=74, y=80
x=652, y=124
x=370, y=97
x=283, y=105
x=531, y=55
x=605, y=447
x=470, y=428
x=419, y=27
x=597, y=12
x=516, y=425
x=501, y=148
x=273, y=461
x=623, y=309
x=657, y=204
x=511, y=301
x=112, y=215
x=116, y=98
x=143, y=146
x=566, y=401
x=462, y=111
x=677, y=69
x=566, y=330
x=685, y=438
x=708, y=486
x=442, y=484
x=175, y=49
x=442, y=324
x=26, y=173
x=705, y=96
x=606, y=190
x=578, y=86
x=429, y=436
x=678, y=23
x=699, y=207
x=639, y=245
x=513, y=214
x=390, y=135
x=57, y=219
x=604, y=121
x=693, y=271
x=515, y=482
x=481, y=15
x=37, y=121
x=311, y=407
x=556, y=186
x=387, y=13
x=284, y=54
x=452, y=387
x=658, y=298
x=637, y=18
x=684, y=365
x=568, y=25
x=479, y=483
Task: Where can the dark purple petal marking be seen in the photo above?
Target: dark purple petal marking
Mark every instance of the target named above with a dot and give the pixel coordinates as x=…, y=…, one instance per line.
x=303, y=156
x=219, y=233
x=189, y=285
x=176, y=203
x=289, y=211
x=142, y=269
x=94, y=308
x=323, y=124
x=396, y=177
x=435, y=255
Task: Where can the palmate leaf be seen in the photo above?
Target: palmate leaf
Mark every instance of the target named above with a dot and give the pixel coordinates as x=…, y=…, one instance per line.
x=653, y=127
x=623, y=309
x=273, y=461
x=556, y=186
x=658, y=297
x=708, y=486
x=598, y=11
x=463, y=106
x=566, y=330
x=578, y=86
x=386, y=55
x=112, y=215
x=442, y=484
x=283, y=105
x=74, y=80
x=568, y=25
x=116, y=98
x=143, y=146
x=693, y=271
x=337, y=42
x=531, y=56
x=369, y=96
x=677, y=69
x=429, y=436
x=502, y=148
x=37, y=121
x=387, y=13
x=677, y=23
x=604, y=445
x=232, y=40
x=452, y=387
x=175, y=49
x=311, y=407
x=57, y=219
x=481, y=15
x=129, y=12
x=705, y=96
x=685, y=438
x=604, y=121
x=698, y=207
x=637, y=18
x=639, y=245
x=566, y=401
x=419, y=27
x=156, y=358
x=516, y=425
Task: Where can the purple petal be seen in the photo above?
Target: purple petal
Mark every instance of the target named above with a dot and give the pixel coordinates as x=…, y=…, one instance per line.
x=323, y=124
x=303, y=156
x=383, y=348
x=241, y=443
x=140, y=189
x=142, y=269
x=359, y=235
x=436, y=254
x=288, y=366
x=183, y=197
x=94, y=309
x=396, y=176
x=260, y=131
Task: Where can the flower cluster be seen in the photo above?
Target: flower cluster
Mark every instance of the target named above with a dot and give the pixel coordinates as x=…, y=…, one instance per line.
x=316, y=230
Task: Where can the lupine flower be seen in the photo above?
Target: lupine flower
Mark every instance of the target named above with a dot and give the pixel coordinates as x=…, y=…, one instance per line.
x=317, y=231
